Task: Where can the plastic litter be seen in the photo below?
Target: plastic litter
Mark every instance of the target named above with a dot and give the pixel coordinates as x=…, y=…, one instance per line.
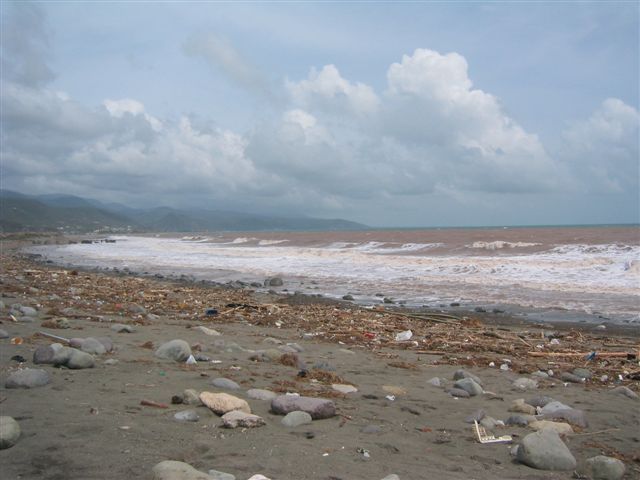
x=404, y=336
x=191, y=360
x=484, y=437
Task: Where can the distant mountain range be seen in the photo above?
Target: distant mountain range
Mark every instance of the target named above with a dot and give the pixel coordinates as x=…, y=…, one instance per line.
x=68, y=213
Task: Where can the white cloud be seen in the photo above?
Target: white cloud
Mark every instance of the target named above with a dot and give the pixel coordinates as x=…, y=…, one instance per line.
x=117, y=108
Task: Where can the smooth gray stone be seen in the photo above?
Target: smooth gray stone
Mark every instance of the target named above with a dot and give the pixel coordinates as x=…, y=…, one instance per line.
x=475, y=416
x=216, y=475
x=582, y=373
x=28, y=378
x=626, y=391
x=461, y=373
x=489, y=423
x=225, y=383
x=173, y=470
x=187, y=416
x=469, y=385
x=437, y=382
x=540, y=401
x=122, y=328
x=393, y=476
x=524, y=383
x=79, y=360
x=296, y=418
x=371, y=429
x=89, y=345
x=136, y=309
x=570, y=415
x=28, y=311
x=605, y=468
x=571, y=378
x=520, y=420
x=553, y=407
x=177, y=350
x=9, y=432
x=458, y=392
x=260, y=394
x=318, y=408
x=545, y=450
x=4, y=333
x=191, y=397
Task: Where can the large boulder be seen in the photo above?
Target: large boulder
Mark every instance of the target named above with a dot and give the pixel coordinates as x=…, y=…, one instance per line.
x=545, y=450
x=316, y=407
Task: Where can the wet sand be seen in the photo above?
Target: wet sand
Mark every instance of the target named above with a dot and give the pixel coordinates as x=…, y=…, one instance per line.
x=89, y=424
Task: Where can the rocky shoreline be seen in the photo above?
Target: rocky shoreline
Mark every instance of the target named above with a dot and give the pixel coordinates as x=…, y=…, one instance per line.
x=119, y=376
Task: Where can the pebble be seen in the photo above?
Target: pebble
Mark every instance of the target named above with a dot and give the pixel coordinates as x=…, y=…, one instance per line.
x=371, y=429
x=344, y=388
x=560, y=427
x=9, y=432
x=28, y=311
x=216, y=475
x=236, y=418
x=553, y=406
x=582, y=373
x=393, y=476
x=545, y=450
x=571, y=415
x=225, y=383
x=520, y=420
x=177, y=350
x=540, y=374
x=260, y=394
x=111, y=361
x=122, y=328
x=571, y=378
x=491, y=423
x=626, y=391
x=524, y=383
x=476, y=416
x=187, y=416
x=540, y=401
x=393, y=390
x=4, y=334
x=272, y=341
x=605, y=468
x=80, y=360
x=136, y=309
x=28, y=378
x=437, y=382
x=89, y=345
x=207, y=331
x=519, y=406
x=173, y=470
x=191, y=397
x=296, y=347
x=222, y=403
x=469, y=385
x=461, y=373
x=258, y=477
x=54, y=354
x=458, y=392
x=318, y=408
x=326, y=366
x=296, y=418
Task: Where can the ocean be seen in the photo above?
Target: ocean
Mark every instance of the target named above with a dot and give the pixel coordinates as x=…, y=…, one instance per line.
x=577, y=273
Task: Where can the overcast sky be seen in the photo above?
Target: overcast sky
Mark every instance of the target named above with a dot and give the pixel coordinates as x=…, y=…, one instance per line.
x=391, y=114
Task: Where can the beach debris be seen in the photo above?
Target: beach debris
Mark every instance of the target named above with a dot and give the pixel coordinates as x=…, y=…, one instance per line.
x=484, y=437
x=191, y=360
x=152, y=403
x=9, y=432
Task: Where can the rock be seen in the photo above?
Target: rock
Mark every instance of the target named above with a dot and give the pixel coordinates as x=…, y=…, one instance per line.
x=122, y=328
x=4, y=334
x=524, y=383
x=571, y=415
x=540, y=374
x=520, y=420
x=318, y=408
x=326, y=366
x=187, y=416
x=287, y=349
x=540, y=401
x=476, y=416
x=28, y=378
x=371, y=429
x=571, y=378
x=559, y=427
x=461, y=373
x=545, y=450
x=191, y=397
x=236, y=418
x=296, y=418
x=272, y=341
x=298, y=348
x=172, y=470
x=257, y=476
x=79, y=360
x=216, y=475
x=347, y=297
x=582, y=373
x=552, y=407
x=518, y=406
x=136, y=309
x=9, y=432
x=273, y=282
x=437, y=382
x=469, y=385
x=605, y=468
x=222, y=403
x=491, y=423
x=344, y=388
x=89, y=345
x=259, y=394
x=208, y=331
x=28, y=311
x=111, y=361
x=225, y=383
x=393, y=476
x=177, y=350
x=54, y=354
x=458, y=392
x=626, y=391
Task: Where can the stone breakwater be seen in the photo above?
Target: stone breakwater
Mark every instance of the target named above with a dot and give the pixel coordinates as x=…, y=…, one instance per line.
x=123, y=377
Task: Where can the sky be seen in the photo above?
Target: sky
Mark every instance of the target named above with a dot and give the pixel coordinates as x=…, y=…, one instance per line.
x=391, y=114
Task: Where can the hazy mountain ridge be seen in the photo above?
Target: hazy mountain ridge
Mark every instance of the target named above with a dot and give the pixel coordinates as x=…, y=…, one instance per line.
x=20, y=212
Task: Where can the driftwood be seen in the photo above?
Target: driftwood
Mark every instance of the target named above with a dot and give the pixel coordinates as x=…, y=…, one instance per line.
x=583, y=354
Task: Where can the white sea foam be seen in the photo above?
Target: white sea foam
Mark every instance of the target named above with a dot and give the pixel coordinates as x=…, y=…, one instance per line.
x=572, y=276
x=499, y=244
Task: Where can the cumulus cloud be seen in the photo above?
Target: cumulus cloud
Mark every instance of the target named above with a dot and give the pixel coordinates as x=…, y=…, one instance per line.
x=336, y=142
x=603, y=149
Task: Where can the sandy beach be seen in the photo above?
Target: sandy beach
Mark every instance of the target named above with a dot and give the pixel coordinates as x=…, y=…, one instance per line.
x=116, y=420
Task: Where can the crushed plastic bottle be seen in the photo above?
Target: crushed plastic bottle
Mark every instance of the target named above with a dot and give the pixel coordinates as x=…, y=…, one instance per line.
x=404, y=336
